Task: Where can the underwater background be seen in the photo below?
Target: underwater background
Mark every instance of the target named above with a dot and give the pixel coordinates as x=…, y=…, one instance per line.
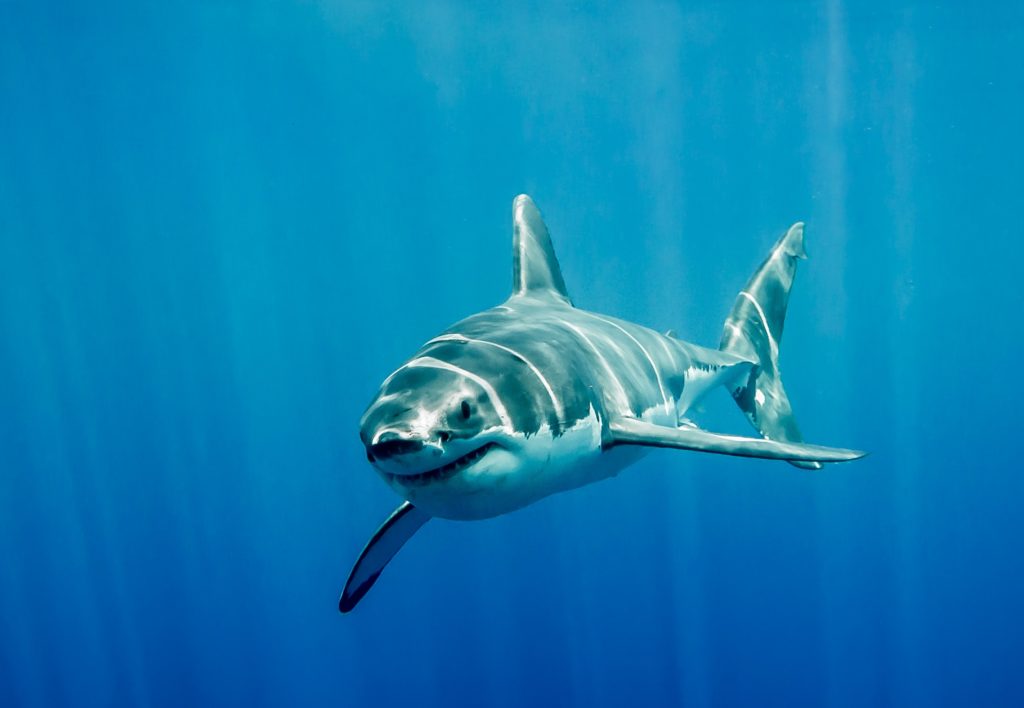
x=223, y=224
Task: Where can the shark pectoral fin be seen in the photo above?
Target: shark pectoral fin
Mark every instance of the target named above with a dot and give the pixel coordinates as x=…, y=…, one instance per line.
x=389, y=539
x=630, y=431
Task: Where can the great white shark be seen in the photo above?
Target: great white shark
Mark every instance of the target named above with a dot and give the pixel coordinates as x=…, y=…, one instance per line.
x=536, y=396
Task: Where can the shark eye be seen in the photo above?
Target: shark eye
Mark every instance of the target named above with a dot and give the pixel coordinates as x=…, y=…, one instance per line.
x=465, y=410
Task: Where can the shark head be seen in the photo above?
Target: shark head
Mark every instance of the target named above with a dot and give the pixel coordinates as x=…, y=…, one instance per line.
x=467, y=430
x=431, y=423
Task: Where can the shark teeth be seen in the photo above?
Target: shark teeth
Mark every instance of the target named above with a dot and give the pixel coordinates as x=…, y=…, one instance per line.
x=445, y=471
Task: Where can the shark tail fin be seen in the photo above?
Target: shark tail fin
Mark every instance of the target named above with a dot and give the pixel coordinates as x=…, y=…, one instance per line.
x=753, y=331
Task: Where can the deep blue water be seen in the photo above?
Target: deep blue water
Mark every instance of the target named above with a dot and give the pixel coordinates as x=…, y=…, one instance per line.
x=222, y=224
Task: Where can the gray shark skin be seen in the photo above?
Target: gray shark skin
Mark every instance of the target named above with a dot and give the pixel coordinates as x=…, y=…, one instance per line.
x=536, y=396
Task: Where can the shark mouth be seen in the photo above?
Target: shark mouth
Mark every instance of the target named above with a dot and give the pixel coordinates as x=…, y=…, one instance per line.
x=445, y=471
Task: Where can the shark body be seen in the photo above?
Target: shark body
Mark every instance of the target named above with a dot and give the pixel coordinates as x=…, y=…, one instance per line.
x=536, y=396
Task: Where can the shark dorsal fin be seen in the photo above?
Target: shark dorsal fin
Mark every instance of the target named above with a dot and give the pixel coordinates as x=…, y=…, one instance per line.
x=535, y=268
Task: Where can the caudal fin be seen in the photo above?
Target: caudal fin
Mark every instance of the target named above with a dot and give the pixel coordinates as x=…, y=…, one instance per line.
x=753, y=331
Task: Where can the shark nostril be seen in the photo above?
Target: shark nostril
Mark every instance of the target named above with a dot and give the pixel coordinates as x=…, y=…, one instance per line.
x=444, y=436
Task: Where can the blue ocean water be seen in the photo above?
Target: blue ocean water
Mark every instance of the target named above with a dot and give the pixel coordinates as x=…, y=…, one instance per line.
x=222, y=224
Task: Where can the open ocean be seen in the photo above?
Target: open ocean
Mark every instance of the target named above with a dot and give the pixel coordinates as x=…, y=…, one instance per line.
x=222, y=224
